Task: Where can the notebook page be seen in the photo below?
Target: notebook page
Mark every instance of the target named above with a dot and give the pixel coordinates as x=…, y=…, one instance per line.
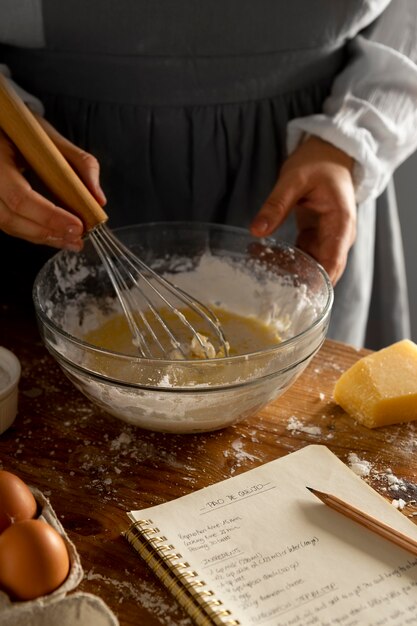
x=275, y=555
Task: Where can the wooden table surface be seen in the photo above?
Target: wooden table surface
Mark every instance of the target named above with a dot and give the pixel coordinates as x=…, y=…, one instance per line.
x=94, y=468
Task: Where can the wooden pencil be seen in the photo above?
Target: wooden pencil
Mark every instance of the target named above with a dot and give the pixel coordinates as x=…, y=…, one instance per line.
x=366, y=520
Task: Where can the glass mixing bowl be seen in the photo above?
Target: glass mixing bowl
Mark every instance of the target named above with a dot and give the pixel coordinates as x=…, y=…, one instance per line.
x=266, y=278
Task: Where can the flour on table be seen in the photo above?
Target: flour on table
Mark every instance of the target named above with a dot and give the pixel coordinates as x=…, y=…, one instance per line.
x=359, y=466
x=395, y=483
x=124, y=439
x=399, y=504
x=237, y=446
x=388, y=482
x=144, y=594
x=295, y=425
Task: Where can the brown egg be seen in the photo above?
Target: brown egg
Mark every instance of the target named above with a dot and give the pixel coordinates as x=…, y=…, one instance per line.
x=34, y=559
x=17, y=502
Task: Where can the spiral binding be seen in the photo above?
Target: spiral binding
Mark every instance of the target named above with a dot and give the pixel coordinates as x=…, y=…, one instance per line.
x=184, y=584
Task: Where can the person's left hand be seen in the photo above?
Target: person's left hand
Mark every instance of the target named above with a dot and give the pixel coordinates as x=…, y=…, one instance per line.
x=316, y=182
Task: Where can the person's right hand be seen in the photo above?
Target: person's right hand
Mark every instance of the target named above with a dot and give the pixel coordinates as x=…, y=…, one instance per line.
x=315, y=182
x=25, y=213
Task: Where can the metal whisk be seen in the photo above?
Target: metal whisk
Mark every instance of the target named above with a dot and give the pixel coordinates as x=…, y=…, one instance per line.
x=153, y=306
x=153, y=301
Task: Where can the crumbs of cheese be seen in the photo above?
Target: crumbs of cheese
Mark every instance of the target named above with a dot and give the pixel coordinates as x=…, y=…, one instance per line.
x=381, y=388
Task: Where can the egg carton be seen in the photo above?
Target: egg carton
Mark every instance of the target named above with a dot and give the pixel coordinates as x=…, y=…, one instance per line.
x=59, y=607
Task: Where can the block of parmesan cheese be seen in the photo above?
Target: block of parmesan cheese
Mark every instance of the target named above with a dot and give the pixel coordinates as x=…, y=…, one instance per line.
x=381, y=388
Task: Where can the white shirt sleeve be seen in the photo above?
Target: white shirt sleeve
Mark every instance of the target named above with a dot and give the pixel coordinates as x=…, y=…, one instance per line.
x=371, y=112
x=32, y=102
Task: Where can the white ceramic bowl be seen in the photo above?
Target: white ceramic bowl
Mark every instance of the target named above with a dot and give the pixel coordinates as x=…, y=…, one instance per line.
x=9, y=380
x=72, y=293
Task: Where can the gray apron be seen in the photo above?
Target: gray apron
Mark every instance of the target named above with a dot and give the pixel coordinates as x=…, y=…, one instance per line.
x=186, y=103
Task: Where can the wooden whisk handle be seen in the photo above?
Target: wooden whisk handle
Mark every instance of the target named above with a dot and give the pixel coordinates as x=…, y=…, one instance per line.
x=22, y=127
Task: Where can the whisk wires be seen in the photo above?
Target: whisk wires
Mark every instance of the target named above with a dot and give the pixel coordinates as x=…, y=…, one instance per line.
x=143, y=294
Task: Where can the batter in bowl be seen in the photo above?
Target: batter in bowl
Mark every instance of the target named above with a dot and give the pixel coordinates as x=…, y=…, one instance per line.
x=244, y=334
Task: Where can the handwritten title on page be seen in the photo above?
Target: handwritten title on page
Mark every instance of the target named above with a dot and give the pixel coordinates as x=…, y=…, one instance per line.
x=241, y=494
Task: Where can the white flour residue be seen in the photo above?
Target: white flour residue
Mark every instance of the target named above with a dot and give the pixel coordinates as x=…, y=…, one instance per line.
x=243, y=286
x=399, y=504
x=359, y=466
x=124, y=439
x=238, y=456
x=295, y=425
x=165, y=381
x=143, y=594
x=404, y=492
x=329, y=365
x=240, y=453
x=70, y=271
x=394, y=483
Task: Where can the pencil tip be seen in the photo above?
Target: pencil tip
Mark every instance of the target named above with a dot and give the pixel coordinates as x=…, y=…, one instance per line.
x=310, y=489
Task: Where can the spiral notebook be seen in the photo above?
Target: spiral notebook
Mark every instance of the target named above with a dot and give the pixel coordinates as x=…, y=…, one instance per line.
x=259, y=548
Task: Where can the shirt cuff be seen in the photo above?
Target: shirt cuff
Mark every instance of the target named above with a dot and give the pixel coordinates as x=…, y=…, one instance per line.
x=370, y=177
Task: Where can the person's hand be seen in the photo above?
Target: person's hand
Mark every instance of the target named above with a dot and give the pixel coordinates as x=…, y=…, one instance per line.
x=316, y=182
x=25, y=213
